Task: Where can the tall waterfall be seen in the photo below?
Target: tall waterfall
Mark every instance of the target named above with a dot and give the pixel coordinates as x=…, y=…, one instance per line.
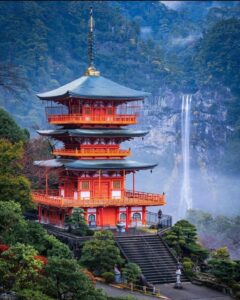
x=186, y=197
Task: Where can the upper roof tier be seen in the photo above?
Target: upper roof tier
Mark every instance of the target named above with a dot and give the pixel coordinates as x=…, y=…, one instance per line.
x=94, y=87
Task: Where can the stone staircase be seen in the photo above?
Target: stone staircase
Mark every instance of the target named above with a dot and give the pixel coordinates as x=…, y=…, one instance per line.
x=150, y=252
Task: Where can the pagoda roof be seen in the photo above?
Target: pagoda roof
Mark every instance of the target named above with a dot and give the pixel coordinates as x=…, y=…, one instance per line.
x=93, y=87
x=94, y=165
x=94, y=132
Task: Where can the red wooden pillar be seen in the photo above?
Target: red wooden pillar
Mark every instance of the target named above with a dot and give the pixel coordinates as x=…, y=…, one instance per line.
x=46, y=181
x=144, y=215
x=128, y=217
x=117, y=215
x=85, y=215
x=101, y=216
x=133, y=183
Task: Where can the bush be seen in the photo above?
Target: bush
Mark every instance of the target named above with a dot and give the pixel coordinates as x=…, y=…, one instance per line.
x=131, y=272
x=188, y=266
x=236, y=287
x=89, y=232
x=100, y=254
x=108, y=277
x=237, y=295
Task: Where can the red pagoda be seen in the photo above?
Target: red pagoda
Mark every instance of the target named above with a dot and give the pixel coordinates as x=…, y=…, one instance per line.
x=91, y=114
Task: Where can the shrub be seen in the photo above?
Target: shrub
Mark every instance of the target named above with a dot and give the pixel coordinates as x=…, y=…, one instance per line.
x=131, y=272
x=188, y=266
x=236, y=287
x=108, y=277
x=100, y=254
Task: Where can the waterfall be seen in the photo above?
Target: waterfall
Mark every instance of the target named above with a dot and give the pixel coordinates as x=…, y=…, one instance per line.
x=185, y=198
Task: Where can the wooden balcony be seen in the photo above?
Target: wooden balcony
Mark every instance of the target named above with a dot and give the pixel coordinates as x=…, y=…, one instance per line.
x=130, y=198
x=93, y=152
x=92, y=119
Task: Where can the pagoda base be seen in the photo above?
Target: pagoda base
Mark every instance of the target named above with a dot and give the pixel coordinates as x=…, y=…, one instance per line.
x=98, y=217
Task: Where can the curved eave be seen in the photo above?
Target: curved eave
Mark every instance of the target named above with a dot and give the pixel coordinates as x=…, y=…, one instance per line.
x=89, y=165
x=69, y=95
x=92, y=133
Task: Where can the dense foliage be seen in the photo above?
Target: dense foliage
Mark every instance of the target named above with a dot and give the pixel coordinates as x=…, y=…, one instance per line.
x=76, y=223
x=13, y=185
x=23, y=272
x=100, y=254
x=183, y=239
x=9, y=130
x=131, y=272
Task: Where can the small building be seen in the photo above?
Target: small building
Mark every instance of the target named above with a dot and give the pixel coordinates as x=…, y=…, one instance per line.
x=91, y=115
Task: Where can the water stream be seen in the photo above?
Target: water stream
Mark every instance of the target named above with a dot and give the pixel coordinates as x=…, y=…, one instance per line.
x=185, y=197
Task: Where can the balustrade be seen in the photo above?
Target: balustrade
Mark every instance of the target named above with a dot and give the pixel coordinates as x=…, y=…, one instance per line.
x=92, y=152
x=93, y=119
x=130, y=198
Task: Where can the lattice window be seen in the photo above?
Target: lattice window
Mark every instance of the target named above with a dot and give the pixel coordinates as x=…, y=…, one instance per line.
x=110, y=111
x=85, y=185
x=116, y=184
x=87, y=110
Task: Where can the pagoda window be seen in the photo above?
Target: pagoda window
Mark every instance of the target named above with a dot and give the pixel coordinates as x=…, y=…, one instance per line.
x=116, y=184
x=85, y=185
x=137, y=216
x=91, y=218
x=87, y=111
x=110, y=111
x=122, y=217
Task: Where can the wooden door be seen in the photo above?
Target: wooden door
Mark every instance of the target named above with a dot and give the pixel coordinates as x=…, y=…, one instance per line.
x=103, y=192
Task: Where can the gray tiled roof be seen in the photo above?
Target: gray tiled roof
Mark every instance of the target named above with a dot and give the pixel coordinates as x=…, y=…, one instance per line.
x=94, y=132
x=70, y=164
x=94, y=87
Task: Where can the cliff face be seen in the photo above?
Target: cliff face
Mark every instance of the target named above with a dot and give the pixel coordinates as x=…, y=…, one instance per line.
x=162, y=115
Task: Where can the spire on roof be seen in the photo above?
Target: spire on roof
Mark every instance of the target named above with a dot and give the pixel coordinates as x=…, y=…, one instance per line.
x=91, y=71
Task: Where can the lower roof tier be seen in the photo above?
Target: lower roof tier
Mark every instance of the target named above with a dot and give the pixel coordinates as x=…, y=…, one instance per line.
x=128, y=133
x=94, y=165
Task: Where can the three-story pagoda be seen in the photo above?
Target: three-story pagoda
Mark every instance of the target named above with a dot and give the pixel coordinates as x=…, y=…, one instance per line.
x=91, y=114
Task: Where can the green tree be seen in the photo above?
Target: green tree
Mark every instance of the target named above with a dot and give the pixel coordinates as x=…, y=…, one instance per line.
x=183, y=239
x=19, y=269
x=100, y=254
x=13, y=185
x=10, y=157
x=9, y=130
x=16, y=189
x=223, y=269
x=10, y=218
x=32, y=294
x=217, y=57
x=131, y=272
x=221, y=253
x=76, y=222
x=66, y=280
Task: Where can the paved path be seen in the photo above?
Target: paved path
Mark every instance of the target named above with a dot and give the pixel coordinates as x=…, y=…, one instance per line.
x=115, y=292
x=191, y=292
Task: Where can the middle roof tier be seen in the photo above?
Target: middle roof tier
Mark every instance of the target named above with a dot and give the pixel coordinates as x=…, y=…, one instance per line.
x=128, y=133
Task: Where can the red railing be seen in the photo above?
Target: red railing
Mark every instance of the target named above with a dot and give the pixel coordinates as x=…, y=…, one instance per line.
x=92, y=152
x=92, y=119
x=130, y=198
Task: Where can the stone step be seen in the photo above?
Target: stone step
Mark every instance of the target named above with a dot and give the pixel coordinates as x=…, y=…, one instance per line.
x=157, y=263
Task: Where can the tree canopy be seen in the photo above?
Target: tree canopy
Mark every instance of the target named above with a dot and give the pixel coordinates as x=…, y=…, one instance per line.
x=9, y=129
x=100, y=254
